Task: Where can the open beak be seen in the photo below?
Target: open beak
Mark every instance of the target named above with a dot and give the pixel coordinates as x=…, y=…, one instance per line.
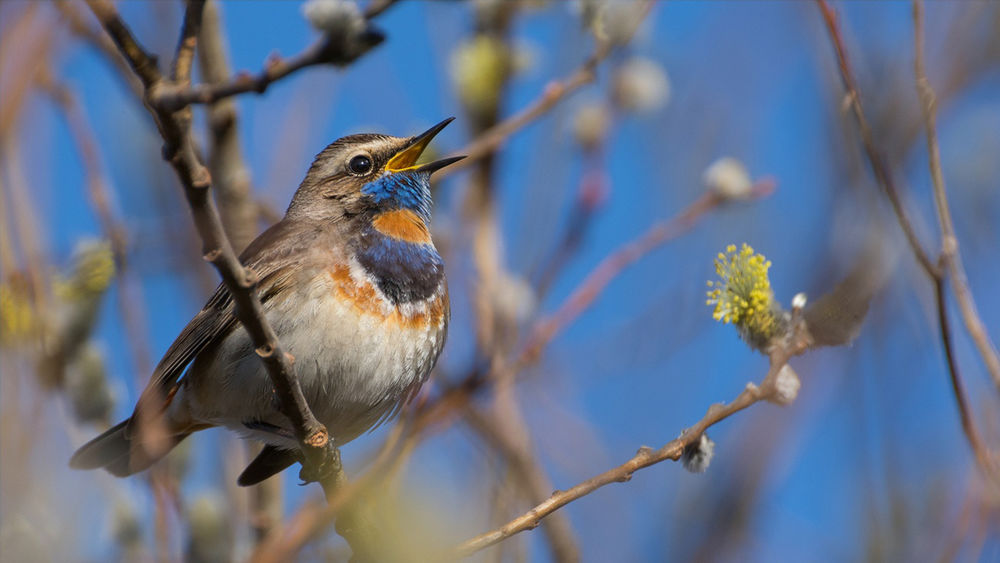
x=406, y=158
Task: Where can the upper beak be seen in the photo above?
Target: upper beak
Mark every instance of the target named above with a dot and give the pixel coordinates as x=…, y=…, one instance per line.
x=407, y=157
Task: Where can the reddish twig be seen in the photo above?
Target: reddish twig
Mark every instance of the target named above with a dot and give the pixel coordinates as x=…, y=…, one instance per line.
x=609, y=268
x=882, y=172
x=979, y=449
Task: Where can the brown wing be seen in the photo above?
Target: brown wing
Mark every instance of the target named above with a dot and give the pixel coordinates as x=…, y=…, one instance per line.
x=272, y=256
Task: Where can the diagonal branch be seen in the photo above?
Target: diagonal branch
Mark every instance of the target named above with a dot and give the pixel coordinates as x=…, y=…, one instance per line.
x=645, y=457
x=882, y=172
x=949, y=242
x=179, y=151
x=591, y=287
x=979, y=449
x=554, y=92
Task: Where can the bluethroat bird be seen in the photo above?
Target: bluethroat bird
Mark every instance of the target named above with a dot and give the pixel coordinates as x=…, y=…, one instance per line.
x=356, y=292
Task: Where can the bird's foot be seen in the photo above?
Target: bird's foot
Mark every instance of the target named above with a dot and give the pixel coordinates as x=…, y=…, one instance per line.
x=322, y=465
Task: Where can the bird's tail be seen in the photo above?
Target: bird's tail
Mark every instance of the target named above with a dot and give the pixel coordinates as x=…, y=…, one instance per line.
x=120, y=452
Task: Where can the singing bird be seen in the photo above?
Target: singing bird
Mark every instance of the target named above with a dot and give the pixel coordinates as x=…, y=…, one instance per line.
x=356, y=292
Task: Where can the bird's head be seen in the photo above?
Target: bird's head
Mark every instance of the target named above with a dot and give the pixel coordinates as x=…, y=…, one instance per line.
x=368, y=176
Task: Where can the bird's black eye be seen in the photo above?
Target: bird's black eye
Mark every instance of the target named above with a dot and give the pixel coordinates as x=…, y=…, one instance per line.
x=360, y=164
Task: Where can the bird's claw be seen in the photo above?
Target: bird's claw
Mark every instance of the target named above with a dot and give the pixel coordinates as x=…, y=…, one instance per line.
x=321, y=464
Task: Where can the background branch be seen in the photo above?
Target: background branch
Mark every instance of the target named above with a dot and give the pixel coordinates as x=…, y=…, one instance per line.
x=951, y=257
x=933, y=270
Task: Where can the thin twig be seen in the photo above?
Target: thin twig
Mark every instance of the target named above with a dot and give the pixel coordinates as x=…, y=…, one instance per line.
x=949, y=242
x=646, y=457
x=80, y=28
x=609, y=268
x=934, y=271
x=554, y=92
x=883, y=174
x=328, y=50
x=979, y=449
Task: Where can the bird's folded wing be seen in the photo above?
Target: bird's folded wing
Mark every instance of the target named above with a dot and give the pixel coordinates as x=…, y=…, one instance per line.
x=273, y=267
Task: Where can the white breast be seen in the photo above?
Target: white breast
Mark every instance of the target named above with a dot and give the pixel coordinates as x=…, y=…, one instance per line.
x=356, y=355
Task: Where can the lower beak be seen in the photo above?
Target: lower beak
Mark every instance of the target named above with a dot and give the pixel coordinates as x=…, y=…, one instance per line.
x=432, y=167
x=407, y=157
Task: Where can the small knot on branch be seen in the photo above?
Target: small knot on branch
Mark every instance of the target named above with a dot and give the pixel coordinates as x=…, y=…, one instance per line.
x=212, y=255
x=201, y=179
x=250, y=277
x=318, y=438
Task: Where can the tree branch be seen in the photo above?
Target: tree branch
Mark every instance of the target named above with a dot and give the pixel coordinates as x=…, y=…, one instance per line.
x=645, y=457
x=328, y=50
x=554, y=92
x=882, y=172
x=591, y=287
x=949, y=242
x=934, y=271
x=179, y=151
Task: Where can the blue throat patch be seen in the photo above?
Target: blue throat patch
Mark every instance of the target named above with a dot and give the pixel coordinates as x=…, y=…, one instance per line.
x=404, y=271
x=402, y=190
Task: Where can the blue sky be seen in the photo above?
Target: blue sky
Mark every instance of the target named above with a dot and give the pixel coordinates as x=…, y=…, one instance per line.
x=750, y=80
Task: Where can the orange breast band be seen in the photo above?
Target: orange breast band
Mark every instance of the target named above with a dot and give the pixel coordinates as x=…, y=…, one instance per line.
x=402, y=224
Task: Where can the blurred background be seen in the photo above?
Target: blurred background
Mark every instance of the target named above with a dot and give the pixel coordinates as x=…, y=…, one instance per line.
x=102, y=269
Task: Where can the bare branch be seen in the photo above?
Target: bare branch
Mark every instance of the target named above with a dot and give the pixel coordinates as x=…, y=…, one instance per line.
x=75, y=20
x=241, y=283
x=983, y=456
x=934, y=271
x=882, y=172
x=554, y=92
x=609, y=268
x=229, y=170
x=949, y=242
x=329, y=50
x=646, y=457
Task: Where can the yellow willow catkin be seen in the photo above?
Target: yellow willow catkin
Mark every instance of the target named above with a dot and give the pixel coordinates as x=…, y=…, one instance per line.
x=742, y=296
